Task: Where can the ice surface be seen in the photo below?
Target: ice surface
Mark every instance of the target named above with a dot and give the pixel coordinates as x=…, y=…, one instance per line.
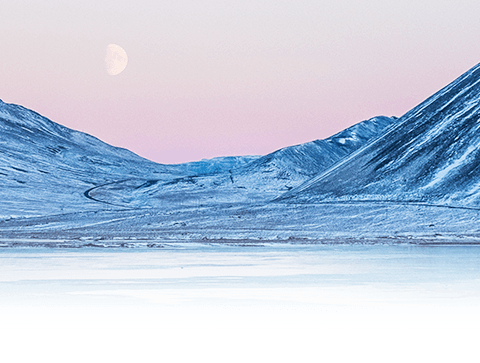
x=228, y=303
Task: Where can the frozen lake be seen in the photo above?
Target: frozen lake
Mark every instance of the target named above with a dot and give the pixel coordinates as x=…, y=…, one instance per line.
x=217, y=303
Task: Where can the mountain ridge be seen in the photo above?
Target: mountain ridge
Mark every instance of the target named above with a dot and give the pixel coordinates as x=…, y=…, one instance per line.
x=260, y=180
x=430, y=155
x=415, y=179
x=68, y=170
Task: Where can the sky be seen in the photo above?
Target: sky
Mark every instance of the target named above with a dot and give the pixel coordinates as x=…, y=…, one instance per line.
x=209, y=78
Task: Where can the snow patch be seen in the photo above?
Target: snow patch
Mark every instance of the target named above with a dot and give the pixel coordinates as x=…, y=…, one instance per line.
x=444, y=172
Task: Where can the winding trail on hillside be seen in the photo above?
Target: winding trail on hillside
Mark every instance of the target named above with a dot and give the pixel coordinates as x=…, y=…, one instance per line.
x=88, y=196
x=375, y=202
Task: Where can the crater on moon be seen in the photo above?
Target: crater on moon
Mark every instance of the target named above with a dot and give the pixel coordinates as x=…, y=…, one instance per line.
x=116, y=59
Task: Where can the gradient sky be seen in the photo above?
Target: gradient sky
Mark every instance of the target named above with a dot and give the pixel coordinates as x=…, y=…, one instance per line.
x=210, y=78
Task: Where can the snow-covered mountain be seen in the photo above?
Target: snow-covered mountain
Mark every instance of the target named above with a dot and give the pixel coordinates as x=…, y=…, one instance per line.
x=431, y=155
x=416, y=178
x=217, y=165
x=286, y=168
x=46, y=168
x=257, y=181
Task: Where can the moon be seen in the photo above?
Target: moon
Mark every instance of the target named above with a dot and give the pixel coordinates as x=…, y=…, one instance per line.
x=116, y=59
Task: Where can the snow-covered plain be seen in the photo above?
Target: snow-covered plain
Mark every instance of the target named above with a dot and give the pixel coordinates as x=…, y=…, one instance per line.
x=218, y=303
x=338, y=223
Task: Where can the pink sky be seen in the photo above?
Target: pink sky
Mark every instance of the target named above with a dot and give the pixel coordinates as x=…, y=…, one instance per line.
x=213, y=78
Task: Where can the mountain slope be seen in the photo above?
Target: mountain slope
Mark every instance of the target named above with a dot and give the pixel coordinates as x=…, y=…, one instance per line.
x=46, y=167
x=259, y=181
x=217, y=165
x=290, y=166
x=431, y=155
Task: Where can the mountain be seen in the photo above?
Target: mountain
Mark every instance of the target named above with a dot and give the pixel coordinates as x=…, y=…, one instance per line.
x=288, y=167
x=431, y=155
x=258, y=181
x=216, y=165
x=411, y=180
x=46, y=168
